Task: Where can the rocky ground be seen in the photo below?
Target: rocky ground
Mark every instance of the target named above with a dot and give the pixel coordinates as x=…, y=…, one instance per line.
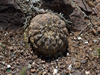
x=83, y=56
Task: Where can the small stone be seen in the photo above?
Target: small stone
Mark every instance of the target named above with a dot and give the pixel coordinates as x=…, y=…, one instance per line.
x=94, y=41
x=74, y=41
x=44, y=73
x=12, y=68
x=33, y=63
x=29, y=65
x=27, y=0
x=94, y=31
x=40, y=73
x=11, y=48
x=74, y=38
x=90, y=49
x=55, y=71
x=77, y=72
x=86, y=42
x=70, y=67
x=77, y=64
x=33, y=70
x=98, y=29
x=71, y=34
x=8, y=66
x=67, y=54
x=42, y=61
x=79, y=38
x=1, y=56
x=3, y=62
x=17, y=63
x=87, y=72
x=98, y=38
x=83, y=61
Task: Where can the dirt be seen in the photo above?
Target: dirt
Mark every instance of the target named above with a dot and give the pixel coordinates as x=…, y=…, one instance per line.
x=82, y=58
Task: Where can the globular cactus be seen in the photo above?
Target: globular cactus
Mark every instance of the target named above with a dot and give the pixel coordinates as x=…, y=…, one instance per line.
x=48, y=34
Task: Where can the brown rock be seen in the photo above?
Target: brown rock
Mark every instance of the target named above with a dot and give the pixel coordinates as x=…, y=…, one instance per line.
x=98, y=29
x=43, y=62
x=66, y=7
x=77, y=64
x=83, y=5
x=40, y=73
x=77, y=18
x=12, y=68
x=94, y=31
x=11, y=16
x=33, y=70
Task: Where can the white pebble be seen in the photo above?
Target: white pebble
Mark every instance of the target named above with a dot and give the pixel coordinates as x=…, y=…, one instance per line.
x=90, y=49
x=44, y=73
x=87, y=72
x=86, y=42
x=27, y=0
x=81, y=34
x=29, y=65
x=94, y=41
x=1, y=56
x=8, y=66
x=56, y=66
x=33, y=63
x=3, y=62
x=55, y=71
x=74, y=38
x=98, y=38
x=6, y=34
x=79, y=38
x=35, y=1
x=67, y=54
x=70, y=67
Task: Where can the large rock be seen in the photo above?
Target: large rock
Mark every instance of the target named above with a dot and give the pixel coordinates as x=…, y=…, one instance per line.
x=60, y=6
x=77, y=19
x=82, y=4
x=67, y=8
x=11, y=16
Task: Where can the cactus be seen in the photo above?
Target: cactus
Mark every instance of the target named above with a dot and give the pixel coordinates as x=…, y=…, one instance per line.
x=48, y=34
